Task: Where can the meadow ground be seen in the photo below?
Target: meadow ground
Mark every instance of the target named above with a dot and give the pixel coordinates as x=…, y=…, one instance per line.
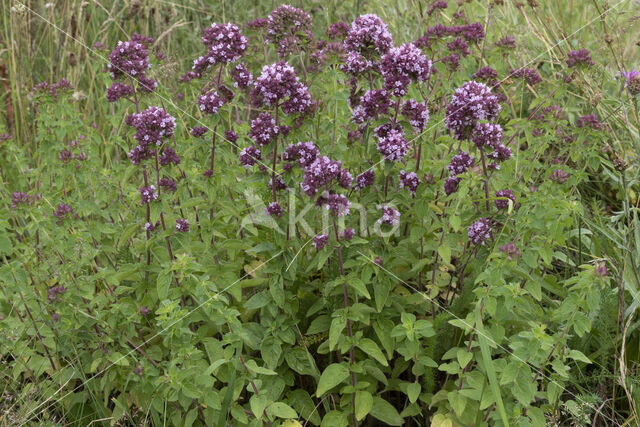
x=324, y=213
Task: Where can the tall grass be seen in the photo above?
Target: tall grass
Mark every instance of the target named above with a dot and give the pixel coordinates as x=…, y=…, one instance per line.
x=42, y=41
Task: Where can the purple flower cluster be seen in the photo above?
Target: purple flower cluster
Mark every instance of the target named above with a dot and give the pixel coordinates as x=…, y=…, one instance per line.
x=152, y=126
x=55, y=292
x=487, y=135
x=507, y=42
x=365, y=179
x=579, y=57
x=530, y=75
x=52, y=89
x=18, y=198
x=404, y=64
x=263, y=129
x=368, y=33
x=304, y=152
x=319, y=174
x=320, y=241
x=470, y=33
x=372, y=103
x=389, y=216
x=451, y=185
x=459, y=46
x=460, y=163
x=118, y=90
x=502, y=203
x=337, y=30
x=285, y=25
x=470, y=103
x=348, y=233
x=393, y=146
x=354, y=63
x=417, y=113
x=338, y=204
x=409, y=180
x=241, y=76
x=63, y=211
x=225, y=42
x=345, y=179
x=511, y=250
x=278, y=84
x=130, y=60
x=210, y=102
x=148, y=194
x=280, y=184
x=182, y=225
x=487, y=74
x=479, y=232
x=198, y=131
x=437, y=5
x=274, y=209
x=559, y=176
x=591, y=121
x=168, y=184
x=249, y=155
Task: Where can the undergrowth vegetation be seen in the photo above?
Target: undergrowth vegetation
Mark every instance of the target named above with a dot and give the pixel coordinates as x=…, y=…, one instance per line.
x=324, y=213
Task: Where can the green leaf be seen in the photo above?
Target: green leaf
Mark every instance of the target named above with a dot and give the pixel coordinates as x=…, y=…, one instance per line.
x=458, y=402
x=371, y=349
x=276, y=289
x=301, y=401
x=578, y=355
x=271, y=351
x=445, y=252
x=413, y=391
x=385, y=412
x=163, y=283
x=5, y=245
x=337, y=326
x=464, y=357
x=494, y=385
x=455, y=223
x=301, y=361
x=364, y=402
x=335, y=419
x=281, y=410
x=253, y=367
x=191, y=417
x=333, y=375
x=359, y=286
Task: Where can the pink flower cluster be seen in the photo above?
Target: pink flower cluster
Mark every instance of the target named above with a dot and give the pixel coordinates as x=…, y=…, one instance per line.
x=226, y=44
x=368, y=32
x=479, y=232
x=263, y=129
x=389, y=216
x=210, y=102
x=470, y=103
x=249, y=155
x=372, y=104
x=417, y=113
x=130, y=61
x=409, y=180
x=304, y=152
x=402, y=65
x=278, y=84
x=393, y=146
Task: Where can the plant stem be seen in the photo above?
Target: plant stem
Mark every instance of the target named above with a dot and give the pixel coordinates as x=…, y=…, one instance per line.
x=486, y=179
x=349, y=329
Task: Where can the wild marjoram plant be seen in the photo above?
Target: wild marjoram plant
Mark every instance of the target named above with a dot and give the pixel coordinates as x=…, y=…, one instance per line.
x=435, y=287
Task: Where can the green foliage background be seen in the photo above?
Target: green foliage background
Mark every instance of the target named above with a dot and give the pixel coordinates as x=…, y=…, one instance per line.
x=249, y=327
